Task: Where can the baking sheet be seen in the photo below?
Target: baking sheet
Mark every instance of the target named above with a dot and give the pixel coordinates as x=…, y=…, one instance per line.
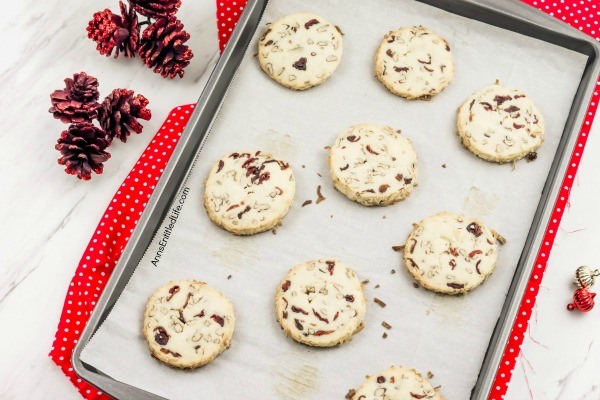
x=442, y=334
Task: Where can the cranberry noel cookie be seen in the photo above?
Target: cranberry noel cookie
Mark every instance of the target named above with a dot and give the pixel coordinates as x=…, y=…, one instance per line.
x=373, y=165
x=249, y=192
x=300, y=51
x=500, y=124
x=397, y=383
x=320, y=303
x=414, y=63
x=187, y=324
x=450, y=253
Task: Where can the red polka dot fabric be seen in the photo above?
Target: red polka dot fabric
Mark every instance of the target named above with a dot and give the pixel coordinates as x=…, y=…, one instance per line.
x=122, y=214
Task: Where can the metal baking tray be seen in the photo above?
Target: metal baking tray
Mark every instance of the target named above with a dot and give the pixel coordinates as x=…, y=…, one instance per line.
x=512, y=15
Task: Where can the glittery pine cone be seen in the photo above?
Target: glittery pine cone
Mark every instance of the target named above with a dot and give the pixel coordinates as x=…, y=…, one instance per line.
x=156, y=8
x=114, y=32
x=162, y=47
x=121, y=110
x=82, y=147
x=77, y=101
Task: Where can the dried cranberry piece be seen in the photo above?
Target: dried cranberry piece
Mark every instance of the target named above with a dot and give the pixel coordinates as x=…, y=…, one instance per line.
x=161, y=337
x=349, y=298
x=330, y=266
x=487, y=106
x=474, y=253
x=425, y=62
x=298, y=310
x=353, y=138
x=531, y=156
x=221, y=164
x=475, y=229
x=380, y=379
x=219, y=320
x=453, y=251
x=389, y=53
x=512, y=109
x=319, y=316
x=270, y=42
x=370, y=150
x=298, y=324
x=285, y=286
x=187, y=300
x=428, y=69
x=321, y=333
x=477, y=267
x=407, y=180
x=452, y=264
x=172, y=292
x=418, y=396
x=501, y=99
x=337, y=314
x=311, y=23
x=345, y=168
x=399, y=177
x=243, y=212
x=300, y=64
x=200, y=314
x=167, y=351
x=456, y=285
x=401, y=69
x=383, y=188
x=517, y=126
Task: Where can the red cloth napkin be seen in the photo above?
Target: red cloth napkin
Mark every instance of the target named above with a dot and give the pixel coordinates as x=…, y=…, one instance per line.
x=121, y=216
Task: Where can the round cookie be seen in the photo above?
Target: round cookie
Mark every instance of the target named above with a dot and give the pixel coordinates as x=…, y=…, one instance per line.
x=249, y=192
x=320, y=303
x=500, y=124
x=450, y=253
x=397, y=383
x=300, y=51
x=187, y=324
x=373, y=165
x=414, y=63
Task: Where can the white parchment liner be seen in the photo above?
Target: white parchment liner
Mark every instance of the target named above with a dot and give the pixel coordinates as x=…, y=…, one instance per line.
x=443, y=334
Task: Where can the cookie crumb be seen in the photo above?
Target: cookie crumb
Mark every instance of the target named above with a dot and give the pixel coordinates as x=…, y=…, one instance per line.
x=379, y=302
x=415, y=285
x=332, y=216
x=327, y=147
x=228, y=277
x=350, y=394
x=384, y=335
x=531, y=156
x=377, y=286
x=429, y=375
x=320, y=176
x=274, y=231
x=386, y=325
x=307, y=202
x=303, y=166
x=255, y=55
x=365, y=281
x=339, y=30
x=384, y=217
x=393, y=271
x=499, y=237
x=320, y=197
x=443, y=165
x=398, y=248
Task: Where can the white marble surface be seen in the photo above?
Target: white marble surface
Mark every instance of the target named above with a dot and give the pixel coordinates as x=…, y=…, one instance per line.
x=47, y=216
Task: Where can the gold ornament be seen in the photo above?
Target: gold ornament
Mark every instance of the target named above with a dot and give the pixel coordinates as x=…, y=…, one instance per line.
x=585, y=277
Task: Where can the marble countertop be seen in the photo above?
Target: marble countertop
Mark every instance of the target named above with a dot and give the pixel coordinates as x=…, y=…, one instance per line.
x=48, y=216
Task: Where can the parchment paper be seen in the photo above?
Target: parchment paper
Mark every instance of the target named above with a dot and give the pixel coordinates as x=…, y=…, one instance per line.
x=443, y=334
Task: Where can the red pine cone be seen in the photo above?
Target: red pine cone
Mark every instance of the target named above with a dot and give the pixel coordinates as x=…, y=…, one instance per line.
x=121, y=109
x=162, y=47
x=111, y=31
x=82, y=147
x=77, y=101
x=156, y=8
